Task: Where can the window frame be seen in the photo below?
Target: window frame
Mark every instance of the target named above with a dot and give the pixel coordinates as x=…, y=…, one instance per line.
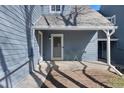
x=55, y=9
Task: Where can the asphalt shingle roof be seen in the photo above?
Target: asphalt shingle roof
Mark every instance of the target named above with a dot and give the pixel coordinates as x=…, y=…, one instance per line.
x=79, y=16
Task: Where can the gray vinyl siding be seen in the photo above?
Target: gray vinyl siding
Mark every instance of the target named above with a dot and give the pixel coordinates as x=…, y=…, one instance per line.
x=14, y=49
x=45, y=9
x=118, y=49
x=74, y=42
x=101, y=34
x=19, y=50
x=18, y=46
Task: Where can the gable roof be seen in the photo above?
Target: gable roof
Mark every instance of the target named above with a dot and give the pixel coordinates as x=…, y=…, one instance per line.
x=79, y=16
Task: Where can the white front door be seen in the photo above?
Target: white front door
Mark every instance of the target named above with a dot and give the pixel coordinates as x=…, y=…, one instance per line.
x=56, y=46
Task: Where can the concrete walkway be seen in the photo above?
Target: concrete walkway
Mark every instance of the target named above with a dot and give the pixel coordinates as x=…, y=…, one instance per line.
x=72, y=74
x=36, y=78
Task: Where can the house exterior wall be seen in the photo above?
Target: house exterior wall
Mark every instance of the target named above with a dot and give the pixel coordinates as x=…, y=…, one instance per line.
x=19, y=50
x=45, y=9
x=118, y=49
x=101, y=34
x=74, y=43
x=16, y=48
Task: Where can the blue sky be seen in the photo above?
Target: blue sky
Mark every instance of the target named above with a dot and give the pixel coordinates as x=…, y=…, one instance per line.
x=96, y=7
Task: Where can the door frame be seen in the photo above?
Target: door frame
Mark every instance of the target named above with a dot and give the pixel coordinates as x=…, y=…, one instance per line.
x=41, y=34
x=62, y=44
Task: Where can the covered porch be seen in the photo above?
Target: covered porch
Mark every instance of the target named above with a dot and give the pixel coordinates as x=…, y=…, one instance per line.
x=87, y=20
x=69, y=45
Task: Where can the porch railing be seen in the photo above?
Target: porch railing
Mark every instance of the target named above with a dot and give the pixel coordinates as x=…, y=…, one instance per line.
x=112, y=19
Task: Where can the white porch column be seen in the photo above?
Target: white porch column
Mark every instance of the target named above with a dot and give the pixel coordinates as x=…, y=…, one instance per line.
x=108, y=48
x=108, y=34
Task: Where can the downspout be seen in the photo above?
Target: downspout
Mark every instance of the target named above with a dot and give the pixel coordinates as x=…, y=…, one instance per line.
x=108, y=34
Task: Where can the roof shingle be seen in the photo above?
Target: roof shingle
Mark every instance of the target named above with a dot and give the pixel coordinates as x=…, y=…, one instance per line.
x=79, y=16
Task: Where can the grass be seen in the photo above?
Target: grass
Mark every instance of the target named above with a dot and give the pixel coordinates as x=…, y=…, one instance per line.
x=116, y=82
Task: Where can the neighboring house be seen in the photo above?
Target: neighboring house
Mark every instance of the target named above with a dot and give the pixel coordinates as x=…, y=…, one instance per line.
x=29, y=34
x=118, y=41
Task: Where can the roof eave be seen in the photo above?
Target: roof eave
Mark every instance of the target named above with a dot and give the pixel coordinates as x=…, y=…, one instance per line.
x=74, y=27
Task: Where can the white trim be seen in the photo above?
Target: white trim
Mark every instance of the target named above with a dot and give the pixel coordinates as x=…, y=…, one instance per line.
x=41, y=34
x=112, y=19
x=104, y=39
x=62, y=44
x=108, y=35
x=50, y=9
x=37, y=20
x=75, y=27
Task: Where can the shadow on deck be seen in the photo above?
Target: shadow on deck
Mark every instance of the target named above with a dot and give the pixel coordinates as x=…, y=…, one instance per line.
x=64, y=79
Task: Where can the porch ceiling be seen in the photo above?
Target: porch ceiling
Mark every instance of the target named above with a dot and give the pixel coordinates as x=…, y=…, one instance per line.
x=82, y=18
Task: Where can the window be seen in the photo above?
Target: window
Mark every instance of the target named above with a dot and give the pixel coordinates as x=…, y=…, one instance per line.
x=55, y=8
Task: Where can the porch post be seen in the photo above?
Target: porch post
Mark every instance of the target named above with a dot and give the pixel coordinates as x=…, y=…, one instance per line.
x=108, y=34
x=108, y=48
